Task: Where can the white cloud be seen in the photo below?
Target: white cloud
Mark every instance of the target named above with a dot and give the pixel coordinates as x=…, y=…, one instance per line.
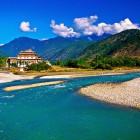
x=84, y=22
x=86, y=26
x=63, y=30
x=43, y=39
x=1, y=45
x=25, y=27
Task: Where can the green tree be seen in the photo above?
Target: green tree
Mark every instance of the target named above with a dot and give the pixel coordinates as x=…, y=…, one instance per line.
x=38, y=67
x=2, y=62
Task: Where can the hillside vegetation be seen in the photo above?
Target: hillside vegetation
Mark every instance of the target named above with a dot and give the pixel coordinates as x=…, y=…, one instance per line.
x=71, y=51
x=100, y=62
x=2, y=59
x=2, y=54
x=126, y=43
x=51, y=49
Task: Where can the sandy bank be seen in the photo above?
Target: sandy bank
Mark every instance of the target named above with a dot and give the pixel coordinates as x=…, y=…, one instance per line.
x=127, y=93
x=78, y=73
x=9, y=77
x=55, y=76
x=19, y=87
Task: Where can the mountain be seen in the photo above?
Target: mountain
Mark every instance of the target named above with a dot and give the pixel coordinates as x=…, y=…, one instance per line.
x=45, y=49
x=126, y=43
x=72, y=50
x=2, y=55
x=23, y=43
x=94, y=37
x=52, y=49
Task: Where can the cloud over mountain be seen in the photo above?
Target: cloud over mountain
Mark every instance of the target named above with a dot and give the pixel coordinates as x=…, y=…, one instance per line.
x=63, y=30
x=25, y=27
x=1, y=45
x=85, y=26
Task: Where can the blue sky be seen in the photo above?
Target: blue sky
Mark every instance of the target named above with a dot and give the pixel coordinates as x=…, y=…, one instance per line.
x=32, y=18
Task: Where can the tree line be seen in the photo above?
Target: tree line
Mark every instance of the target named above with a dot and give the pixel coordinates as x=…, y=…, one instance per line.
x=100, y=62
x=2, y=62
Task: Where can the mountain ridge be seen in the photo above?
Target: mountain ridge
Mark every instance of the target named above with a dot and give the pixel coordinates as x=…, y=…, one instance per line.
x=51, y=49
x=126, y=43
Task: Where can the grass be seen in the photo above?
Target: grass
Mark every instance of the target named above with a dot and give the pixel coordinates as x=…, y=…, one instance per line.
x=57, y=70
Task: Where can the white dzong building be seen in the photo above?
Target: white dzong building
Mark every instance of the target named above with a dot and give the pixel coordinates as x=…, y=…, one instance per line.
x=24, y=58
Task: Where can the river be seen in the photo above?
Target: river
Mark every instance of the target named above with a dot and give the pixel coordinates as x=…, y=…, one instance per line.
x=58, y=112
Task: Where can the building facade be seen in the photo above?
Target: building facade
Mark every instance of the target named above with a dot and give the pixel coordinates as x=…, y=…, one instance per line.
x=23, y=59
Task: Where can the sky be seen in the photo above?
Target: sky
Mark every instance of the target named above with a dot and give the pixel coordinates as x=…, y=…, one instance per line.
x=44, y=19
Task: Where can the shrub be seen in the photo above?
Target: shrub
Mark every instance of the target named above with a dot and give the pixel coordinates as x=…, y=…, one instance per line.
x=14, y=65
x=2, y=62
x=38, y=67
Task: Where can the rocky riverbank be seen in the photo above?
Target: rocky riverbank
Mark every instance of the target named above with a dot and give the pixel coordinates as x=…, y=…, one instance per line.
x=126, y=93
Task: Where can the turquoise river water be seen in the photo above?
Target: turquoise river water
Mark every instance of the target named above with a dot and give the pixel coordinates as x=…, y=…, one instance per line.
x=58, y=112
